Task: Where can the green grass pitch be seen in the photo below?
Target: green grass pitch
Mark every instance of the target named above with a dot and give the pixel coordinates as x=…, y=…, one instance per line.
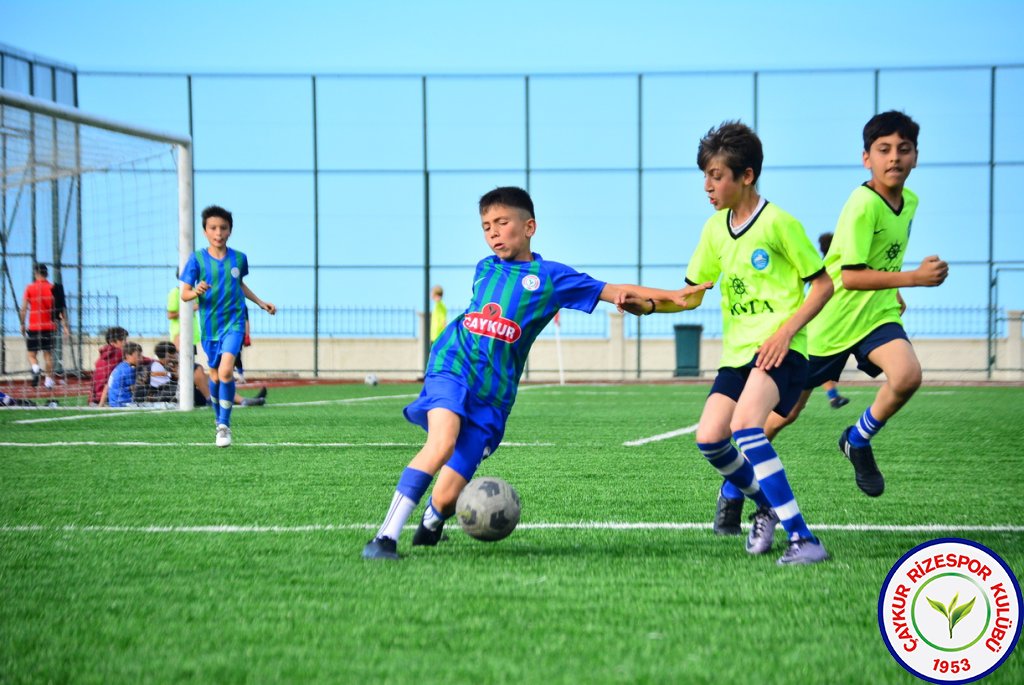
x=163, y=559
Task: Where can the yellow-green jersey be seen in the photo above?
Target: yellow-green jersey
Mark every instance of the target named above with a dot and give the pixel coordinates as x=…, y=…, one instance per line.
x=763, y=269
x=870, y=234
x=174, y=305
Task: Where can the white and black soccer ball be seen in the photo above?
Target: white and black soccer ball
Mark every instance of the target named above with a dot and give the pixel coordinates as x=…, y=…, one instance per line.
x=371, y=379
x=488, y=509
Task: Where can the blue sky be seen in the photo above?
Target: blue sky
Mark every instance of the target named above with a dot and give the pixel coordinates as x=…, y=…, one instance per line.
x=526, y=36
x=799, y=121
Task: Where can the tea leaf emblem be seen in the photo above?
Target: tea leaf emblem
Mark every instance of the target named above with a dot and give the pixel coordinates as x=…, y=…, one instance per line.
x=953, y=613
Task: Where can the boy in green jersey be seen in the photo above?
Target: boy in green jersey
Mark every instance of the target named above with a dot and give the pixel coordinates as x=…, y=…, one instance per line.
x=764, y=260
x=865, y=262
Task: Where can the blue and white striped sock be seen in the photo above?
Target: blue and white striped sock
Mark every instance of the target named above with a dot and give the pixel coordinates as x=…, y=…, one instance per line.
x=772, y=477
x=227, y=401
x=411, y=486
x=215, y=401
x=432, y=518
x=730, y=491
x=865, y=429
x=733, y=467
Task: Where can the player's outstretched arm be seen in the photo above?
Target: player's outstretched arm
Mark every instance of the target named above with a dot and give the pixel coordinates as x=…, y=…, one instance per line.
x=640, y=300
x=774, y=350
x=930, y=273
x=251, y=296
x=188, y=293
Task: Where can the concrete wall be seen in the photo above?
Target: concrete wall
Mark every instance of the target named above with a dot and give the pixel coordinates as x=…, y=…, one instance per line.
x=612, y=359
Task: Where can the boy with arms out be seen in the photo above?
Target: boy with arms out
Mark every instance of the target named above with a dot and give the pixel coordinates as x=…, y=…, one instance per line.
x=475, y=364
x=214, y=276
x=764, y=259
x=865, y=261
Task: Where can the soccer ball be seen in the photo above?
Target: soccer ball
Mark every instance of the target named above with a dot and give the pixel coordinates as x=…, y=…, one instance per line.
x=488, y=509
x=371, y=379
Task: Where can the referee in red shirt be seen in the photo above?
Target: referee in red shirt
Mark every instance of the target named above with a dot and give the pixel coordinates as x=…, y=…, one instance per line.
x=38, y=303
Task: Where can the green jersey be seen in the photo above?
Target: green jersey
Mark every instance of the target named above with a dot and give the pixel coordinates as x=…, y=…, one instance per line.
x=763, y=270
x=869, y=235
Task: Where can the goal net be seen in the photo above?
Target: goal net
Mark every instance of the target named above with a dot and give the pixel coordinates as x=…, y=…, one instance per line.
x=106, y=208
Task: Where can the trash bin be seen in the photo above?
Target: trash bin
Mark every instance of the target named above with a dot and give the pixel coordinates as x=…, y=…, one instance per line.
x=687, y=349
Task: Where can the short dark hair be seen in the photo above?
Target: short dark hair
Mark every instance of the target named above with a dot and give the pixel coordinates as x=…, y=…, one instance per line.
x=824, y=242
x=220, y=213
x=887, y=123
x=509, y=196
x=164, y=349
x=116, y=334
x=737, y=143
x=131, y=348
x=40, y=269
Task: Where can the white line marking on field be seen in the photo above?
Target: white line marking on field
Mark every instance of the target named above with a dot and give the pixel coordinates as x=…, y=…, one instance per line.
x=582, y=525
x=662, y=436
x=96, y=443
x=79, y=417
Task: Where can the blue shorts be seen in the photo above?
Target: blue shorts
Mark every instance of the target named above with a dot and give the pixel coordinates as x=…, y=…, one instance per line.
x=230, y=343
x=824, y=369
x=789, y=378
x=483, y=426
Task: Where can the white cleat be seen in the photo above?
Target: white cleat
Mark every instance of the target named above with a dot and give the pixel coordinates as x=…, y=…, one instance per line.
x=223, y=436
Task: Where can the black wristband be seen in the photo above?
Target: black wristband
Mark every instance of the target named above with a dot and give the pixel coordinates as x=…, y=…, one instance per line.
x=654, y=306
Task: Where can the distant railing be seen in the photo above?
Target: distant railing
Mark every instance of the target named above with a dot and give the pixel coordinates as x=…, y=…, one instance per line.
x=100, y=312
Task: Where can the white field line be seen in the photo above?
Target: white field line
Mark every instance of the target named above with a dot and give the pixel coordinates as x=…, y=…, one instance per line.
x=662, y=436
x=96, y=443
x=582, y=525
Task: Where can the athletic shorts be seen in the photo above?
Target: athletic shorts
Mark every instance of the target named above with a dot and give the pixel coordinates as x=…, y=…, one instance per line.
x=789, y=378
x=231, y=343
x=823, y=369
x=483, y=426
x=39, y=341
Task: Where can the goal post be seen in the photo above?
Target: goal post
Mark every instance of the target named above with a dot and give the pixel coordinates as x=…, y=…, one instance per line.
x=99, y=200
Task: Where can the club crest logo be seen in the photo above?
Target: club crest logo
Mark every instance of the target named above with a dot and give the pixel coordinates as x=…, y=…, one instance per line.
x=490, y=323
x=759, y=259
x=531, y=282
x=235, y=273
x=949, y=611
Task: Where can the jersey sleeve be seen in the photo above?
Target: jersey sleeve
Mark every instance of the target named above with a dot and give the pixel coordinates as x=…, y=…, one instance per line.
x=190, y=274
x=704, y=265
x=851, y=243
x=799, y=250
x=244, y=270
x=573, y=289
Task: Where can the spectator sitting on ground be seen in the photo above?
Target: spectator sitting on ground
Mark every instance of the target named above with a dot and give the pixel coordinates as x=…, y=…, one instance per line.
x=110, y=356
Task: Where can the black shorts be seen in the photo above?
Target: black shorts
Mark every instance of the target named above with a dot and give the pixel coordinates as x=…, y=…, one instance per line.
x=39, y=341
x=789, y=378
x=824, y=369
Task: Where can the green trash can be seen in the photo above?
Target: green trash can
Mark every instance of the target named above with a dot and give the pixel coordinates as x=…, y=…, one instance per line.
x=687, y=349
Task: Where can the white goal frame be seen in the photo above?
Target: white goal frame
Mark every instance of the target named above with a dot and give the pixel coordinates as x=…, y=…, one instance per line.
x=183, y=147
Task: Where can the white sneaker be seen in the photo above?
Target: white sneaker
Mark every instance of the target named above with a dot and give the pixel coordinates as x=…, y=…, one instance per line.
x=240, y=378
x=48, y=383
x=223, y=436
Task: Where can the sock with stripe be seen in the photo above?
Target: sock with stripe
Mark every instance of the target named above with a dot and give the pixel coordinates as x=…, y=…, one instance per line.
x=865, y=429
x=432, y=518
x=215, y=401
x=772, y=478
x=408, y=493
x=734, y=468
x=227, y=401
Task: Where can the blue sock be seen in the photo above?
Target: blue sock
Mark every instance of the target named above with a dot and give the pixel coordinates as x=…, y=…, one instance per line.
x=832, y=392
x=865, y=429
x=734, y=468
x=772, y=477
x=730, y=491
x=411, y=486
x=227, y=401
x=432, y=518
x=215, y=401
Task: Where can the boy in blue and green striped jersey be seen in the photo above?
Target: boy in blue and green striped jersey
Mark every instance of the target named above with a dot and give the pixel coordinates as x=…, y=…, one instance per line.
x=475, y=364
x=214, y=276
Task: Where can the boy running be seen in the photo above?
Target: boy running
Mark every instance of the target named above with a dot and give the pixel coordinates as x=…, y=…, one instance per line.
x=214, y=276
x=865, y=262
